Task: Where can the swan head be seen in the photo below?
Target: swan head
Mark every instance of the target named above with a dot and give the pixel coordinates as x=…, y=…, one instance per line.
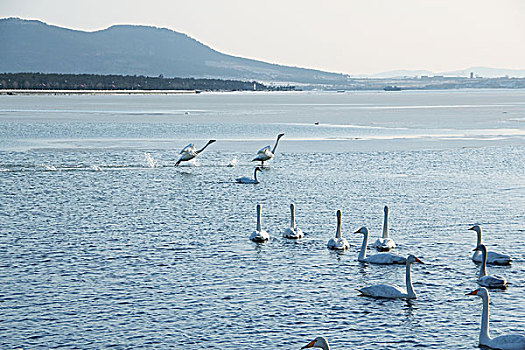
x=212, y=141
x=480, y=247
x=480, y=292
x=386, y=209
x=412, y=259
x=280, y=135
x=258, y=169
x=476, y=228
x=362, y=230
x=319, y=342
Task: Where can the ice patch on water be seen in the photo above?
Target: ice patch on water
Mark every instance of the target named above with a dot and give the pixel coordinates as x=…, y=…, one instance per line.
x=48, y=167
x=149, y=160
x=95, y=168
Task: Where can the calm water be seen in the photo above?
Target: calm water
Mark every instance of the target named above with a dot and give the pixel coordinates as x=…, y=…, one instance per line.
x=104, y=244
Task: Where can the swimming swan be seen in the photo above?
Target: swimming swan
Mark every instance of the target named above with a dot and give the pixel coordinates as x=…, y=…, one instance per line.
x=247, y=180
x=394, y=292
x=505, y=342
x=338, y=243
x=293, y=231
x=379, y=258
x=265, y=153
x=319, y=342
x=385, y=244
x=492, y=258
x=488, y=280
x=189, y=152
x=259, y=235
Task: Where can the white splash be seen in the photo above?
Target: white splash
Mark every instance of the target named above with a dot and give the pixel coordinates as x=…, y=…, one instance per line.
x=95, y=168
x=232, y=163
x=149, y=160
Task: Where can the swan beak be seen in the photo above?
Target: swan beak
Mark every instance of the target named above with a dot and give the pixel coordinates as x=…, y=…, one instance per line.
x=309, y=345
x=419, y=261
x=475, y=249
x=358, y=231
x=472, y=228
x=474, y=292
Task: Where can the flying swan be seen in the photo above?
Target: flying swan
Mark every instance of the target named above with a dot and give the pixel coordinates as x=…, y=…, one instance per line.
x=489, y=281
x=189, y=152
x=265, y=153
x=259, y=235
x=394, y=292
x=379, y=258
x=492, y=258
x=248, y=180
x=385, y=244
x=338, y=243
x=504, y=342
x=293, y=231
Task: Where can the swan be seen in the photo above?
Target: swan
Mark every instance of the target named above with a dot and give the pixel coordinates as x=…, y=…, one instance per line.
x=319, y=342
x=248, y=180
x=259, y=235
x=385, y=244
x=338, y=243
x=265, y=153
x=379, y=258
x=492, y=258
x=189, y=152
x=293, y=231
x=394, y=292
x=506, y=342
x=487, y=280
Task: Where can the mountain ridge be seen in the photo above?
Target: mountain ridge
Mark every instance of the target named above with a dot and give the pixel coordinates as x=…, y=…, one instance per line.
x=34, y=46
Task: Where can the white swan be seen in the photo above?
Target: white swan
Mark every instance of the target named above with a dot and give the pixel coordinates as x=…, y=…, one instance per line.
x=490, y=281
x=338, y=243
x=248, y=180
x=492, y=258
x=259, y=235
x=379, y=258
x=189, y=152
x=394, y=292
x=385, y=244
x=265, y=153
x=293, y=231
x=319, y=342
x=505, y=342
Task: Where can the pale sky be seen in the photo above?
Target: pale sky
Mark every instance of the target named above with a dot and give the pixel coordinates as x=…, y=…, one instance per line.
x=347, y=36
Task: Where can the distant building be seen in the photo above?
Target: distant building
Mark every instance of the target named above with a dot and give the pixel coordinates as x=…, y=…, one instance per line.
x=471, y=75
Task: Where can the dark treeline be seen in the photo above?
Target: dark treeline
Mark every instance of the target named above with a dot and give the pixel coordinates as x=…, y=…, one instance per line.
x=41, y=81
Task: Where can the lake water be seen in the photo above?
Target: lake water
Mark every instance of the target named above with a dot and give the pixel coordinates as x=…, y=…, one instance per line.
x=103, y=243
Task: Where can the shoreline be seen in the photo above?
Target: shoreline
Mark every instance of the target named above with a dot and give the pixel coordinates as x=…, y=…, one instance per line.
x=96, y=92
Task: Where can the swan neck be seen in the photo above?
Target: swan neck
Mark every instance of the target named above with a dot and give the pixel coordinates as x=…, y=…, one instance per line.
x=275, y=146
x=385, y=225
x=203, y=148
x=255, y=175
x=484, y=336
x=258, y=218
x=338, y=232
x=483, y=267
x=292, y=219
x=479, y=235
x=408, y=278
x=362, y=252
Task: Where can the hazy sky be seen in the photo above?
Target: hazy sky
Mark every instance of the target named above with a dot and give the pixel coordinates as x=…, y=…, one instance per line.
x=350, y=36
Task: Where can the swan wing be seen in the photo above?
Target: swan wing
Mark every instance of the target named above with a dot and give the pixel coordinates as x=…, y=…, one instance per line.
x=189, y=149
x=384, y=291
x=264, y=150
x=493, y=258
x=493, y=281
x=386, y=259
x=259, y=236
x=509, y=342
x=246, y=180
x=291, y=232
x=338, y=243
x=384, y=244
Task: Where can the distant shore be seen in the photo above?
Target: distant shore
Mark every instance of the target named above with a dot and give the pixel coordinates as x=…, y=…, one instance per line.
x=96, y=92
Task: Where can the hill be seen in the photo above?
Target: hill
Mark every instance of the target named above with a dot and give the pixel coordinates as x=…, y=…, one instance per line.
x=34, y=46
